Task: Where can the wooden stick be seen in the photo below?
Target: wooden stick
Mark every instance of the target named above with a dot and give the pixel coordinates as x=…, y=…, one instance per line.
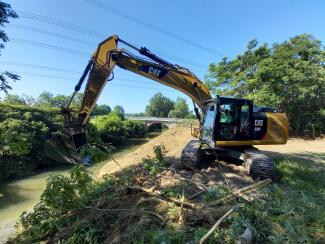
x=196, y=194
x=181, y=220
x=242, y=191
x=216, y=225
x=157, y=194
x=188, y=205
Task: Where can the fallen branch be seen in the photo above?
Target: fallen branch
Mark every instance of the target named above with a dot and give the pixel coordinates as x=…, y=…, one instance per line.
x=242, y=192
x=181, y=219
x=216, y=225
x=157, y=194
x=196, y=194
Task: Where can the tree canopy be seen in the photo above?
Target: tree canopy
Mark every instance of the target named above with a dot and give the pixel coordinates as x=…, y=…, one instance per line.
x=159, y=106
x=289, y=76
x=5, y=14
x=119, y=110
x=180, y=110
x=102, y=109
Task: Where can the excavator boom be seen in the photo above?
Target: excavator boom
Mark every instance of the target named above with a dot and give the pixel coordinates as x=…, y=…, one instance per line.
x=100, y=71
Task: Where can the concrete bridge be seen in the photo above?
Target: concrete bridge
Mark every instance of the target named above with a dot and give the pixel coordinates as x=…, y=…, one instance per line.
x=168, y=122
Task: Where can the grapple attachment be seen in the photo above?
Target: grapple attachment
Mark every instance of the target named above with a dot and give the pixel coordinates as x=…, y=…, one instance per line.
x=64, y=147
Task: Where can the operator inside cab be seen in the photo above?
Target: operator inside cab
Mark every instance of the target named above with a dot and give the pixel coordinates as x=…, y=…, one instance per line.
x=227, y=119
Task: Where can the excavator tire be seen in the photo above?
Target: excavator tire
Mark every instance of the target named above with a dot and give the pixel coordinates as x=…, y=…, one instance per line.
x=258, y=165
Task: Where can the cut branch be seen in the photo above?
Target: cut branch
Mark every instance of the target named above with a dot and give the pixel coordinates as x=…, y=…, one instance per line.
x=216, y=225
x=242, y=192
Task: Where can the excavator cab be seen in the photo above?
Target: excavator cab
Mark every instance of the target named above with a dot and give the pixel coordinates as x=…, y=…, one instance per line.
x=227, y=119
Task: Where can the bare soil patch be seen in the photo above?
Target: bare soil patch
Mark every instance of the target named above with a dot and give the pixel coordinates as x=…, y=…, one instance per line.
x=176, y=139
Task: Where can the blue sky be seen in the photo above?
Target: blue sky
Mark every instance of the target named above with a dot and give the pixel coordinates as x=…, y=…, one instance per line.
x=225, y=27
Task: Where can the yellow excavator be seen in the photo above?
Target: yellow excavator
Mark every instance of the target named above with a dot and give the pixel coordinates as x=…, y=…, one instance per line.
x=229, y=127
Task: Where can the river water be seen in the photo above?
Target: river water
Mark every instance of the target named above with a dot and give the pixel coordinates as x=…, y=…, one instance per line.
x=22, y=194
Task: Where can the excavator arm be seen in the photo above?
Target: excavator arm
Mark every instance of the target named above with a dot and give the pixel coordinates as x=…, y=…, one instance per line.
x=100, y=71
x=108, y=55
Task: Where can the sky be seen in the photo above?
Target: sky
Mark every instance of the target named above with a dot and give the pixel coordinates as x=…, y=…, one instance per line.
x=60, y=36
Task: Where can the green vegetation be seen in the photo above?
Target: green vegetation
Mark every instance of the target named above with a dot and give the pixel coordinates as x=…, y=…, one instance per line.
x=161, y=106
x=26, y=123
x=23, y=131
x=288, y=76
x=62, y=198
x=155, y=165
x=180, y=110
x=77, y=208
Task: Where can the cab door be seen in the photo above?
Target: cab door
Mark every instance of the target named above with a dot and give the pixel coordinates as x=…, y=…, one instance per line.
x=208, y=126
x=234, y=119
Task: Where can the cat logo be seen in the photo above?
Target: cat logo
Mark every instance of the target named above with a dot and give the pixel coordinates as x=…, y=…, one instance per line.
x=156, y=72
x=258, y=122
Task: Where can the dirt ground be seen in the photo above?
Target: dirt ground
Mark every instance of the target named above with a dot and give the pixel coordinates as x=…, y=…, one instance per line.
x=298, y=148
x=175, y=140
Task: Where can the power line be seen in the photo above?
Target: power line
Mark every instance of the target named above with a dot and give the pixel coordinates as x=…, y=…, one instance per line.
x=75, y=79
x=56, y=48
x=39, y=67
x=64, y=70
x=61, y=23
x=212, y=27
x=67, y=25
x=24, y=27
x=41, y=75
x=151, y=26
x=47, y=46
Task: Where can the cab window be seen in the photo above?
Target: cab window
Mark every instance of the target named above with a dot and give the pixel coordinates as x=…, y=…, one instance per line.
x=228, y=113
x=208, y=124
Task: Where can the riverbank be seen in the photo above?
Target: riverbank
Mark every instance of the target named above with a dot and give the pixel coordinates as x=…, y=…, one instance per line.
x=144, y=200
x=22, y=194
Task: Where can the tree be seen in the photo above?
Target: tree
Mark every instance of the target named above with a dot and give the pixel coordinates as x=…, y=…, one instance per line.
x=59, y=101
x=289, y=76
x=119, y=110
x=159, y=106
x=180, y=110
x=45, y=98
x=13, y=99
x=102, y=109
x=5, y=14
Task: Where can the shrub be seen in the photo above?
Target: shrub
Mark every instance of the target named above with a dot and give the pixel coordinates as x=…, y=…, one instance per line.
x=23, y=131
x=110, y=128
x=155, y=165
x=134, y=129
x=62, y=196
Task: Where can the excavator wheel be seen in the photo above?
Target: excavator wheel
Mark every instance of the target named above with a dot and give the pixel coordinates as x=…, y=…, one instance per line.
x=258, y=165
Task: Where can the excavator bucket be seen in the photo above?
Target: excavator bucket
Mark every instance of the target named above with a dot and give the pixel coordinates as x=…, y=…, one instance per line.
x=62, y=147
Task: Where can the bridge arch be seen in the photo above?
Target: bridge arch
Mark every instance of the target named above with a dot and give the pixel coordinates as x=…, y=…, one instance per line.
x=161, y=125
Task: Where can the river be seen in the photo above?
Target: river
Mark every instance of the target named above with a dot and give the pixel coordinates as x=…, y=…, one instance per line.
x=22, y=194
